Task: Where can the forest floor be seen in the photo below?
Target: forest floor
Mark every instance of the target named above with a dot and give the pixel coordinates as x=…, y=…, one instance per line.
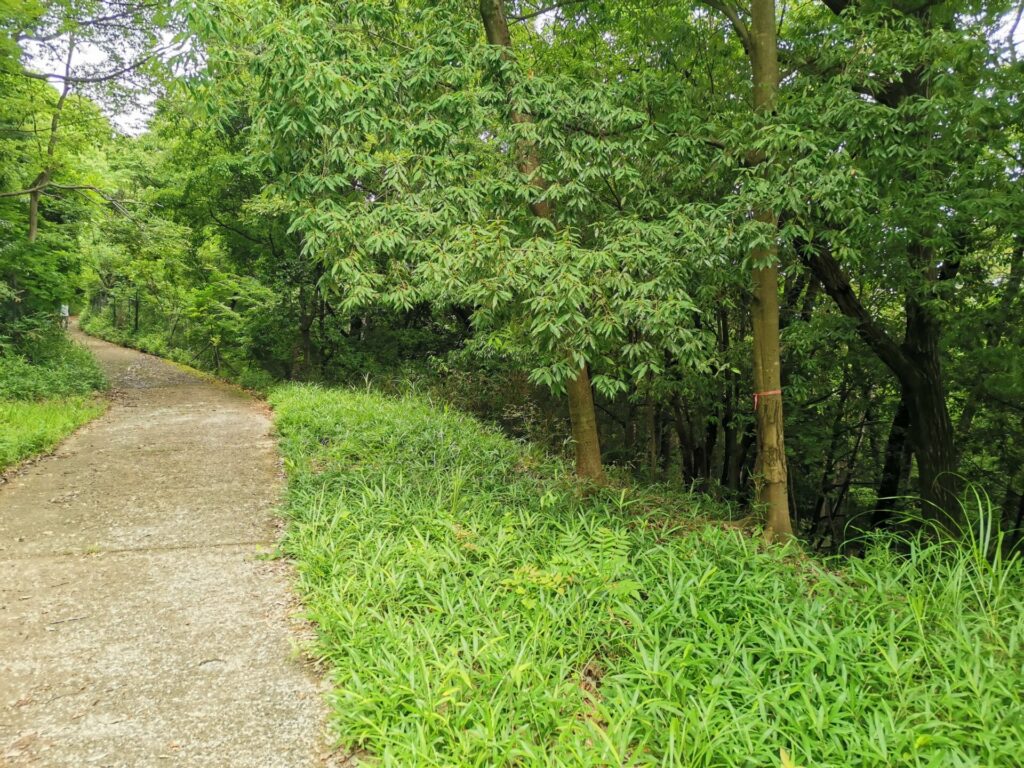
x=140, y=622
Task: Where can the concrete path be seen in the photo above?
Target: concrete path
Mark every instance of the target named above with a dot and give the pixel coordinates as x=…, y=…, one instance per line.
x=139, y=625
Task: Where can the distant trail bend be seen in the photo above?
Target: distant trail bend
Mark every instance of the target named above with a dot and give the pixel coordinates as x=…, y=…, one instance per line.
x=138, y=624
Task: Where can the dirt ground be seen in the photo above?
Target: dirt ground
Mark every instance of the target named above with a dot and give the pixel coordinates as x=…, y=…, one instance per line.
x=140, y=625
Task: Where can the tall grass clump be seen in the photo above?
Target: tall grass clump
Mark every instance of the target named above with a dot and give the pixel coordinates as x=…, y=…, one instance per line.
x=475, y=609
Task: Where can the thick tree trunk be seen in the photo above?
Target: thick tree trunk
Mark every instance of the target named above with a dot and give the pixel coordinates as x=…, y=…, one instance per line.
x=931, y=428
x=581, y=398
x=771, y=455
x=931, y=431
x=915, y=362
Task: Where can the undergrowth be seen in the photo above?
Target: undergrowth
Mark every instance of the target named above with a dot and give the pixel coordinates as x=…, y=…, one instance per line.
x=476, y=610
x=45, y=385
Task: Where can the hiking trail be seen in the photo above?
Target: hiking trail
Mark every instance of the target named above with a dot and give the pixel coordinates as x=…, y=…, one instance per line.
x=140, y=623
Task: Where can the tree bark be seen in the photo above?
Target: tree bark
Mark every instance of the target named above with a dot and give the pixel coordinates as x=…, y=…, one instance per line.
x=584, y=427
x=771, y=455
x=33, y=204
x=892, y=469
x=931, y=428
x=915, y=362
x=582, y=415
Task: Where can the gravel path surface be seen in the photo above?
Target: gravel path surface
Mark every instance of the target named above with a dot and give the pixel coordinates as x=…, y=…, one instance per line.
x=139, y=624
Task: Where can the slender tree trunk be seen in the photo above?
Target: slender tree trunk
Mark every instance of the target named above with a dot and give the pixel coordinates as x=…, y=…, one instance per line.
x=771, y=454
x=829, y=465
x=33, y=204
x=892, y=469
x=581, y=399
x=650, y=437
x=730, y=455
x=683, y=438
x=584, y=427
x=43, y=179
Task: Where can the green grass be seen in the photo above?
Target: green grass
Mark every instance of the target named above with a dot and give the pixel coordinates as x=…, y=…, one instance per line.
x=475, y=610
x=31, y=427
x=45, y=394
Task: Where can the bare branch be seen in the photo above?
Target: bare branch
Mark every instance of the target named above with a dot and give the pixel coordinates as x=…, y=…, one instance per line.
x=74, y=79
x=732, y=14
x=544, y=9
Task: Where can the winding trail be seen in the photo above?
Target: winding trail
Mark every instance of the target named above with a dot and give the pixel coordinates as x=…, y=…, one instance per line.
x=139, y=625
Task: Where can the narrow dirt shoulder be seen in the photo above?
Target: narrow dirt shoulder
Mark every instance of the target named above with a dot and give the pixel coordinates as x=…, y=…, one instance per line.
x=139, y=625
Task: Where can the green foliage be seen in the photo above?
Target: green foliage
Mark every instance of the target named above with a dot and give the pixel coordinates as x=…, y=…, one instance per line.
x=72, y=372
x=38, y=361
x=476, y=610
x=45, y=387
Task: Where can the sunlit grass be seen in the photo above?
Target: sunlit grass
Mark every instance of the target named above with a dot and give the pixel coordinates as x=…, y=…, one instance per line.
x=31, y=427
x=476, y=610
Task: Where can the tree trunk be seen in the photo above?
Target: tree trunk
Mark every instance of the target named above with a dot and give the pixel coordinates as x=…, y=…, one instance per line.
x=931, y=431
x=584, y=427
x=33, y=208
x=650, y=437
x=823, y=501
x=581, y=398
x=931, y=428
x=892, y=469
x=771, y=455
x=43, y=179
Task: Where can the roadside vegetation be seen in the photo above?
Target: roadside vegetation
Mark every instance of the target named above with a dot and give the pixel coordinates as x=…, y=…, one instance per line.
x=475, y=608
x=47, y=389
x=633, y=271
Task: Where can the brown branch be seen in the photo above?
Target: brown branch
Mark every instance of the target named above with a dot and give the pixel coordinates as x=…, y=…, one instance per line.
x=818, y=258
x=732, y=14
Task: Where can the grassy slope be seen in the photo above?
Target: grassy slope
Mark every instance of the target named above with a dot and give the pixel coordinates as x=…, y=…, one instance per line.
x=28, y=428
x=43, y=400
x=475, y=611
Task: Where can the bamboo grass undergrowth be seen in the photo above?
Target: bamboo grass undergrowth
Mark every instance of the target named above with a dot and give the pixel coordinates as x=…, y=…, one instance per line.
x=474, y=608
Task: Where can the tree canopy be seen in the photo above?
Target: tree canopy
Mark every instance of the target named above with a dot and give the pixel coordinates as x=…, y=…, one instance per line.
x=654, y=232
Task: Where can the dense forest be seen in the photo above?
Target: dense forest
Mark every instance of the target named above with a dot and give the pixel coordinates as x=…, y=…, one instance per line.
x=558, y=306
x=655, y=234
